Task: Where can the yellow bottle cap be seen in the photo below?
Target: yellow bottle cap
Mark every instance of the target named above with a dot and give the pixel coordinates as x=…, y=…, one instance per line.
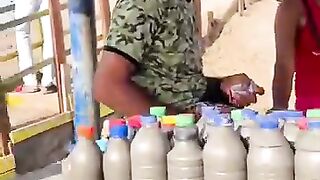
x=168, y=120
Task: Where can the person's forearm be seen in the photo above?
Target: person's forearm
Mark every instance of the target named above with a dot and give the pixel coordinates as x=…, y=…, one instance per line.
x=281, y=87
x=214, y=94
x=127, y=99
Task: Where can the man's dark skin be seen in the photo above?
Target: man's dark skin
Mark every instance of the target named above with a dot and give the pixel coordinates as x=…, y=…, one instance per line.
x=113, y=87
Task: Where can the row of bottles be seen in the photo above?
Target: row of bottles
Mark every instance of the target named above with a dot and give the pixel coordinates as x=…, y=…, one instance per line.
x=160, y=147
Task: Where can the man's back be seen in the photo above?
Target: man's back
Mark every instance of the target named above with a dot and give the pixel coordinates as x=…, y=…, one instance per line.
x=159, y=37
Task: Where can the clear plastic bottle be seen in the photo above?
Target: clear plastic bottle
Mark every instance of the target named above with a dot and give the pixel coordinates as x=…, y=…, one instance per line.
x=201, y=124
x=116, y=160
x=148, y=152
x=244, y=122
x=86, y=158
x=270, y=156
x=224, y=155
x=185, y=159
x=168, y=124
x=307, y=158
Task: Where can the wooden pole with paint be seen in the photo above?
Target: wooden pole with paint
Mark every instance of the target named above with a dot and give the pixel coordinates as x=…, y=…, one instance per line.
x=83, y=51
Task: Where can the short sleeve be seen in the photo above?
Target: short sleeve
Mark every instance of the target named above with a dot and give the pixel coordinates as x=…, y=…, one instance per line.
x=129, y=30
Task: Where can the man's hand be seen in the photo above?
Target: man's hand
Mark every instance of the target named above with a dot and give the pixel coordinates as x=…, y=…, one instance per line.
x=241, y=90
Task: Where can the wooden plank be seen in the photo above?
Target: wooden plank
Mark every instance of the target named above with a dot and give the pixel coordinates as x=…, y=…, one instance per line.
x=7, y=8
x=31, y=130
x=11, y=82
x=10, y=175
x=105, y=17
x=197, y=7
x=14, y=54
x=59, y=48
x=7, y=164
x=241, y=7
x=14, y=23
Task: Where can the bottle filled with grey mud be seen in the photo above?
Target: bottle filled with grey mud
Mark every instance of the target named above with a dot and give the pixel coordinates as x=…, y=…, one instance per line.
x=270, y=156
x=116, y=160
x=148, y=152
x=185, y=159
x=85, y=158
x=307, y=158
x=224, y=155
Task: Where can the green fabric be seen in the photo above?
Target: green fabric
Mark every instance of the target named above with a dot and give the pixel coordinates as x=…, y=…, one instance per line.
x=185, y=120
x=161, y=36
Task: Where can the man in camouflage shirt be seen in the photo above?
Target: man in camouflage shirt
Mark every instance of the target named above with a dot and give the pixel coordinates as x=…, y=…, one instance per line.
x=152, y=57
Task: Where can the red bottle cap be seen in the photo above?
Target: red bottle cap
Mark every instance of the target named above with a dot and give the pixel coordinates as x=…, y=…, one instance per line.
x=86, y=132
x=135, y=122
x=116, y=122
x=303, y=124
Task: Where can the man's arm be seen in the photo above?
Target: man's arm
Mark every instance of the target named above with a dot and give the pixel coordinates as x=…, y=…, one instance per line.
x=286, y=23
x=114, y=88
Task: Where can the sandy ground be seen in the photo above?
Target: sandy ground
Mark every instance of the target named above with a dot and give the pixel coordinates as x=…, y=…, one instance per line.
x=245, y=45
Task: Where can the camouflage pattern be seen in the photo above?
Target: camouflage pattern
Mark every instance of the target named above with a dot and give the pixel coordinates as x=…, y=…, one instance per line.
x=161, y=36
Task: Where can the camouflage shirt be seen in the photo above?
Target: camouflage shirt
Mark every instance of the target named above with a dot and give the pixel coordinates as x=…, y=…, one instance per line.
x=160, y=37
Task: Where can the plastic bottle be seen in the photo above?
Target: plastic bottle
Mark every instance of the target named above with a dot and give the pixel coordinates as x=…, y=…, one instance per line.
x=290, y=118
x=244, y=121
x=134, y=124
x=116, y=160
x=168, y=124
x=185, y=159
x=307, y=158
x=224, y=155
x=108, y=124
x=201, y=124
x=148, y=152
x=270, y=156
x=86, y=158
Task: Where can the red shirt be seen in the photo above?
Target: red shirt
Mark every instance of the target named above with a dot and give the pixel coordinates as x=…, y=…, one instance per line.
x=307, y=64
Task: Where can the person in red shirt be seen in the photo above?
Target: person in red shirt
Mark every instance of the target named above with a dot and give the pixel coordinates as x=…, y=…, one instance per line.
x=297, y=33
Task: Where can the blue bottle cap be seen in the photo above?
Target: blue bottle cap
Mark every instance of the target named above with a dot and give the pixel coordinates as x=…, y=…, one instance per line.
x=102, y=144
x=288, y=113
x=119, y=131
x=267, y=122
x=249, y=114
x=205, y=110
x=314, y=124
x=148, y=119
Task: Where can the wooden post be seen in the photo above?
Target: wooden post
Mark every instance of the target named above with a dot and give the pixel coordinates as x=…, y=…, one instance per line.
x=59, y=55
x=84, y=55
x=105, y=17
x=197, y=7
x=4, y=125
x=241, y=7
x=210, y=30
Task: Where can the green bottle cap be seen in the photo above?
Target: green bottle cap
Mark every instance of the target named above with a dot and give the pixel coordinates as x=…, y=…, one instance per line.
x=185, y=120
x=313, y=113
x=158, y=111
x=236, y=115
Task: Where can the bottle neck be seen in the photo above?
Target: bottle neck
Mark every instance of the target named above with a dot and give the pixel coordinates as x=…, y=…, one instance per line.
x=151, y=125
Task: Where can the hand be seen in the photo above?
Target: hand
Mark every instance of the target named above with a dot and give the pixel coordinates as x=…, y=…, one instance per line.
x=241, y=90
